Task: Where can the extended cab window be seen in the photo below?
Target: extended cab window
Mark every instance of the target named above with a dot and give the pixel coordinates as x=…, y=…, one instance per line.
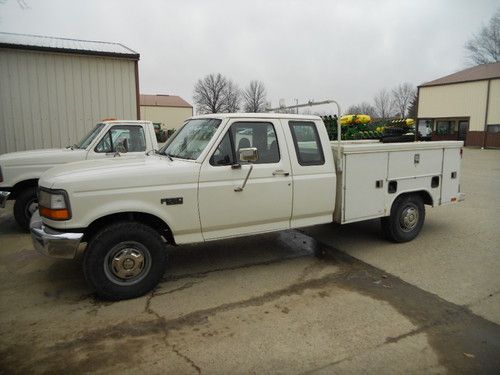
x=245, y=135
x=128, y=138
x=307, y=143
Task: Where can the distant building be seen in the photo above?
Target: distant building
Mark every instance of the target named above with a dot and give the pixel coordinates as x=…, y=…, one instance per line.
x=462, y=106
x=169, y=110
x=54, y=90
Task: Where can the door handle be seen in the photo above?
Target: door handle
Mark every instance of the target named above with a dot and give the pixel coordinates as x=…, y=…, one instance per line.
x=280, y=172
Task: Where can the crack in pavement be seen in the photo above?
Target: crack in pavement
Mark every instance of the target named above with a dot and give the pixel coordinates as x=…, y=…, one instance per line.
x=163, y=324
x=202, y=274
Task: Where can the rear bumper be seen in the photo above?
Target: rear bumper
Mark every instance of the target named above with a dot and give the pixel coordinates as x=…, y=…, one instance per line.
x=4, y=195
x=53, y=243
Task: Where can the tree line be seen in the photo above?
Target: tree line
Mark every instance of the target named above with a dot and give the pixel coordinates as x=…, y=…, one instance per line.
x=401, y=101
x=215, y=94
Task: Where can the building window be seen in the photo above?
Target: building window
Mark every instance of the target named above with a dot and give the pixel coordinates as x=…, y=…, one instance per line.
x=445, y=127
x=493, y=128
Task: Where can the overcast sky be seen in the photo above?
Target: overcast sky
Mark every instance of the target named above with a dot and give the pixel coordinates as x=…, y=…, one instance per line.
x=343, y=50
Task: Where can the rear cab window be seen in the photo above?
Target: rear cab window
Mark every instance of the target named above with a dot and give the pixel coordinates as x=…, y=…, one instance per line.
x=307, y=143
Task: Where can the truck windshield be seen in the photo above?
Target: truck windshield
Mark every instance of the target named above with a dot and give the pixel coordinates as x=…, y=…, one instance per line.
x=85, y=141
x=190, y=141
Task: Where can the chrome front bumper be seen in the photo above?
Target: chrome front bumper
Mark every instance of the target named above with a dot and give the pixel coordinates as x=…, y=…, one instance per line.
x=4, y=195
x=53, y=243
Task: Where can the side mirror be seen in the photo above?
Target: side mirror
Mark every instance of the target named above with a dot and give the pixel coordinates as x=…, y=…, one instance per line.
x=122, y=147
x=250, y=154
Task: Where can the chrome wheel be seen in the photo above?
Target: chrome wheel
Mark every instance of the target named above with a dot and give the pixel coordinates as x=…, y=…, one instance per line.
x=409, y=218
x=127, y=263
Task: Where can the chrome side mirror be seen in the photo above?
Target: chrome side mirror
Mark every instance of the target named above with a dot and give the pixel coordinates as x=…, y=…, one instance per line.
x=250, y=154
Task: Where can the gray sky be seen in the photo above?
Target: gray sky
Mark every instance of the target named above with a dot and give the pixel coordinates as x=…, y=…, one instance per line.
x=344, y=50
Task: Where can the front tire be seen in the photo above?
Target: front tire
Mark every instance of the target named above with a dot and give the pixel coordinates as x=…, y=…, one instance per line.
x=124, y=260
x=25, y=205
x=406, y=219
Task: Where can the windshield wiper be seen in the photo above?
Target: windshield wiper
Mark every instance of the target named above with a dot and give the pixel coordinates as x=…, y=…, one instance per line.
x=156, y=152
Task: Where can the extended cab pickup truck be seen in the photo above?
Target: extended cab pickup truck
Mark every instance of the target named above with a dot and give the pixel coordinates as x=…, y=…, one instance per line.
x=20, y=171
x=230, y=175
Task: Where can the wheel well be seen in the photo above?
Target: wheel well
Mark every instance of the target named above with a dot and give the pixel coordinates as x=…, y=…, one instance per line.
x=153, y=221
x=426, y=197
x=20, y=186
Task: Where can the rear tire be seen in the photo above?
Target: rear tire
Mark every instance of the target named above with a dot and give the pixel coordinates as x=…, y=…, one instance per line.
x=406, y=219
x=26, y=203
x=124, y=260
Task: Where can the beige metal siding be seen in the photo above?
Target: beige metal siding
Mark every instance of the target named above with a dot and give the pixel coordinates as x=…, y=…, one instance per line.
x=172, y=117
x=456, y=100
x=53, y=99
x=494, y=103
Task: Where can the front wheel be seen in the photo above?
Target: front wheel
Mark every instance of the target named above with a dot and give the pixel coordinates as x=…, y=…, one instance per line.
x=125, y=260
x=24, y=207
x=406, y=219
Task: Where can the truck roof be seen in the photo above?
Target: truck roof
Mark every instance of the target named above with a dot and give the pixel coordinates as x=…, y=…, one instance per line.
x=264, y=115
x=125, y=122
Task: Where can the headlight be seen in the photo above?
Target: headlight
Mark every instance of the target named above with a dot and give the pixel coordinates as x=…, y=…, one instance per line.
x=53, y=204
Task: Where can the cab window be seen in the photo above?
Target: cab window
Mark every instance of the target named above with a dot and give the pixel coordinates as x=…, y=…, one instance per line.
x=307, y=143
x=245, y=135
x=128, y=138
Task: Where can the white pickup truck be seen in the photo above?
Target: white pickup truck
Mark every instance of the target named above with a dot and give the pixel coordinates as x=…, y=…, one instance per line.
x=20, y=171
x=230, y=175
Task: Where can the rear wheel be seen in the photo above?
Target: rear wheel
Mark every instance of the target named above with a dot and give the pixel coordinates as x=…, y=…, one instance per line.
x=406, y=219
x=26, y=204
x=124, y=260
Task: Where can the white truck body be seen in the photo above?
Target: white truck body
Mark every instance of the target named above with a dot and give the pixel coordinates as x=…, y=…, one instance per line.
x=410, y=165
x=297, y=182
x=21, y=170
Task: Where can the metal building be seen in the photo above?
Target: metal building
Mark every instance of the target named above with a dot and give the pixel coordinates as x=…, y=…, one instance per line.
x=168, y=110
x=462, y=106
x=54, y=90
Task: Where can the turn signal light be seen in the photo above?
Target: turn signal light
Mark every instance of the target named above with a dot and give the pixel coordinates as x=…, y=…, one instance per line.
x=51, y=214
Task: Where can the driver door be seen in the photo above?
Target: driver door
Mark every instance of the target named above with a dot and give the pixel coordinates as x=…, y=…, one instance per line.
x=120, y=140
x=265, y=204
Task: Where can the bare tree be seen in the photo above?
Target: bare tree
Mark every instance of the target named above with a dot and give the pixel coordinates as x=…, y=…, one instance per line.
x=215, y=93
x=402, y=96
x=362, y=109
x=412, y=109
x=232, y=97
x=384, y=104
x=209, y=93
x=254, y=97
x=484, y=47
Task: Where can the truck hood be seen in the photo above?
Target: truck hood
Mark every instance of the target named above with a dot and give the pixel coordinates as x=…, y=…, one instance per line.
x=41, y=157
x=116, y=173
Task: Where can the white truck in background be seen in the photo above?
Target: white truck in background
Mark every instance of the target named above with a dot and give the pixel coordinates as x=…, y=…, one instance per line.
x=231, y=175
x=20, y=171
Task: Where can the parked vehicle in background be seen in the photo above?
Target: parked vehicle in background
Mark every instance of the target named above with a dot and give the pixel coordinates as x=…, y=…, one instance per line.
x=20, y=171
x=231, y=175
x=161, y=135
